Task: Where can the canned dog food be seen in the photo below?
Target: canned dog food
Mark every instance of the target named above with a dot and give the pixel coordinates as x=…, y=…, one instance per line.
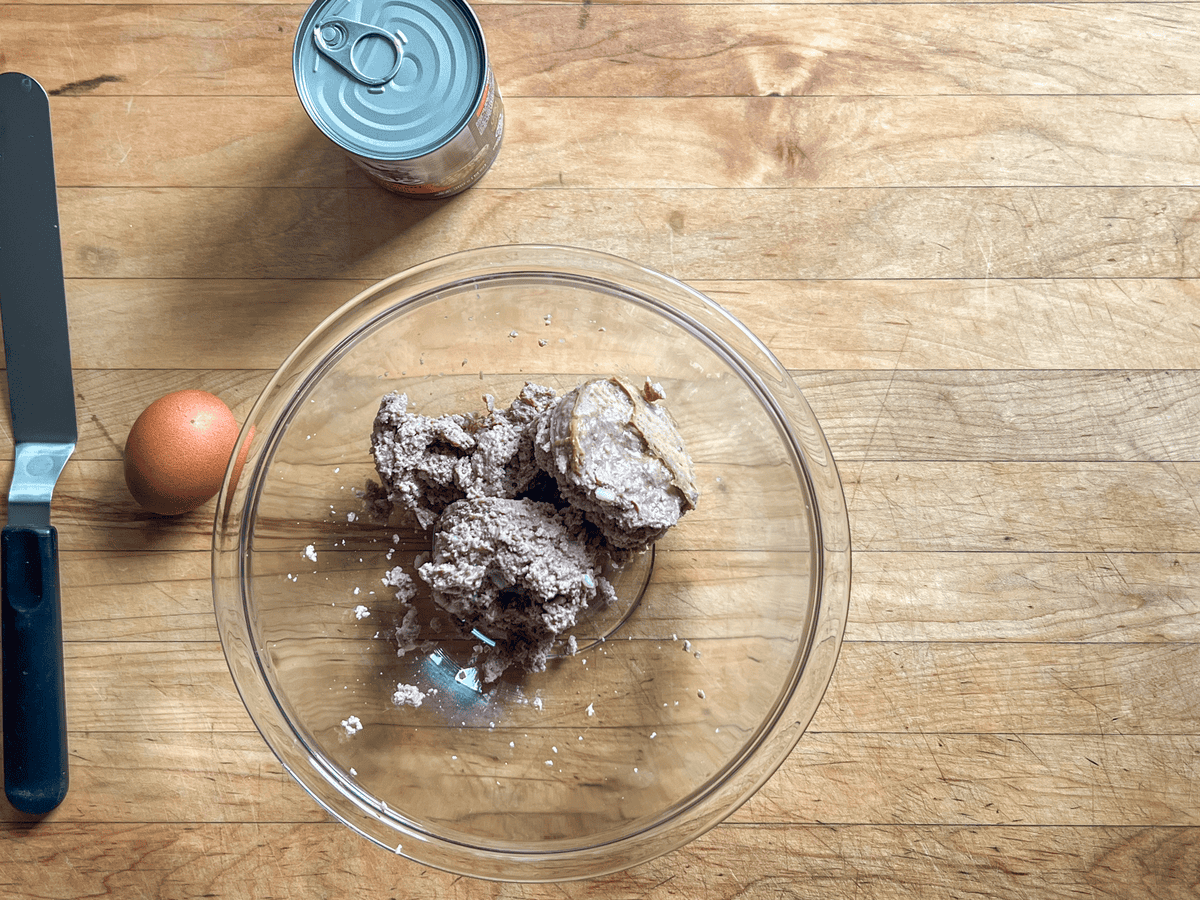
x=405, y=87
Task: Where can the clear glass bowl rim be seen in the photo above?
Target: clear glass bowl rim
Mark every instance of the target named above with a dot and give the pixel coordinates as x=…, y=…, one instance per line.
x=705, y=319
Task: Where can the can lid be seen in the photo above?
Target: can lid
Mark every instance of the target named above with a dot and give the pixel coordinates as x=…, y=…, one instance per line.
x=389, y=79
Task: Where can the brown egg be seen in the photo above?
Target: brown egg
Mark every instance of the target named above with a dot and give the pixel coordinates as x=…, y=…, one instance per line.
x=177, y=451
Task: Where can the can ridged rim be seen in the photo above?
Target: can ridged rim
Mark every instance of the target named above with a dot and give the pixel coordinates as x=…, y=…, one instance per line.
x=342, y=137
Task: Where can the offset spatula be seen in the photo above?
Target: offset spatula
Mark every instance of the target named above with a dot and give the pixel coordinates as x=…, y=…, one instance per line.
x=33, y=312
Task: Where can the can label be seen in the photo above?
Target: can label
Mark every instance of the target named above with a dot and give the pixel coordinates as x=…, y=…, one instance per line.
x=405, y=87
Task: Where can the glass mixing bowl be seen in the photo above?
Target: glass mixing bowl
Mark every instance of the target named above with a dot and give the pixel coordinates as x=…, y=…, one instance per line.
x=683, y=696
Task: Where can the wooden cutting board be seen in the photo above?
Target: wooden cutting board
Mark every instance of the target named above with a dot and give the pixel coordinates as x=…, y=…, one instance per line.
x=969, y=229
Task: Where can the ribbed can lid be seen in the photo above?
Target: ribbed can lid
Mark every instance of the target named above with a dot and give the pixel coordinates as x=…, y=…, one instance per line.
x=389, y=79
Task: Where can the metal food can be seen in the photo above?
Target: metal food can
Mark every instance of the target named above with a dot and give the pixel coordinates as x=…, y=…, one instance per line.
x=404, y=87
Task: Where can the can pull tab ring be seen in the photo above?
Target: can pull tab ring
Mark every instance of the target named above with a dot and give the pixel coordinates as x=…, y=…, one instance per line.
x=344, y=41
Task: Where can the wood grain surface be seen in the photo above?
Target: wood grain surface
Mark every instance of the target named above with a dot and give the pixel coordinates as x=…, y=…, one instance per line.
x=970, y=230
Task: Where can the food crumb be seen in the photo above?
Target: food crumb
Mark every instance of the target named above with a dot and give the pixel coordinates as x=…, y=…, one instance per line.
x=353, y=725
x=700, y=694
x=687, y=645
x=652, y=391
x=311, y=552
x=361, y=612
x=591, y=709
x=408, y=695
x=408, y=633
x=406, y=588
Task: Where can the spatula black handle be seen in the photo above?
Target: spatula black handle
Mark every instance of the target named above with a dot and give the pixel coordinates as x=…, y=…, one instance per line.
x=31, y=651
